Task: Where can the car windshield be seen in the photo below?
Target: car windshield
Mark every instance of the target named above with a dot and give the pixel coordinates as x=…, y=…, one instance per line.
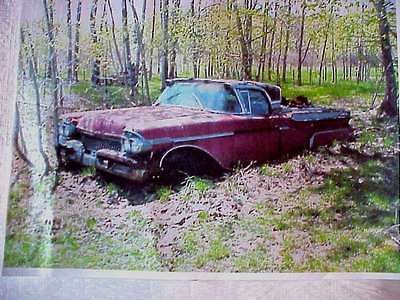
x=211, y=96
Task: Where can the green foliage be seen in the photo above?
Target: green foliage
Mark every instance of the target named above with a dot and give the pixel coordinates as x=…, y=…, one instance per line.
x=203, y=216
x=382, y=259
x=22, y=250
x=201, y=185
x=327, y=93
x=256, y=260
x=89, y=171
x=266, y=170
x=287, y=167
x=15, y=211
x=163, y=193
x=112, y=188
x=135, y=214
x=91, y=223
x=217, y=251
x=113, y=95
x=190, y=242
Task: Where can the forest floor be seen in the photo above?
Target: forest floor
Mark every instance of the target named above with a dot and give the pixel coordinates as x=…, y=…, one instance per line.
x=326, y=210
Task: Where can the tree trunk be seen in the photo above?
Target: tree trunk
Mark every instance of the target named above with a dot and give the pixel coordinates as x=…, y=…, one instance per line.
x=300, y=55
x=261, y=62
x=69, y=51
x=153, y=26
x=165, y=43
x=271, y=44
x=193, y=47
x=175, y=10
x=53, y=103
x=389, y=104
x=77, y=41
x=10, y=12
x=278, y=61
x=245, y=40
x=95, y=77
x=285, y=54
x=114, y=38
x=321, y=64
x=131, y=79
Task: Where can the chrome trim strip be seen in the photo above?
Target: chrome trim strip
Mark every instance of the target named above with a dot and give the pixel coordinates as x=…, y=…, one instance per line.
x=190, y=138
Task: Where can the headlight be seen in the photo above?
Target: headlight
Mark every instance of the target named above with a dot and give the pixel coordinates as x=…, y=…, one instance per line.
x=133, y=143
x=66, y=129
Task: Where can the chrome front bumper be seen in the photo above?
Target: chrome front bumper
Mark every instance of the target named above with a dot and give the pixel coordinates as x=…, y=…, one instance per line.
x=110, y=161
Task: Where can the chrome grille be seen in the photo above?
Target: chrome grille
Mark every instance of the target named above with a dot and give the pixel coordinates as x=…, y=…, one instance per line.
x=95, y=143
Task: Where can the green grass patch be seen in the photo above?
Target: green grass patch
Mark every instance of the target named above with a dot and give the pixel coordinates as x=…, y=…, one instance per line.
x=88, y=171
x=91, y=223
x=266, y=170
x=256, y=260
x=190, y=242
x=112, y=188
x=327, y=93
x=15, y=211
x=164, y=193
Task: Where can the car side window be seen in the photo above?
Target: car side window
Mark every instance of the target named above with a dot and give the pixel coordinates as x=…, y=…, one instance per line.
x=255, y=102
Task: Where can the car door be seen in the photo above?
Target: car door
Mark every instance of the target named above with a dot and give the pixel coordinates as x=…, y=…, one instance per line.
x=256, y=138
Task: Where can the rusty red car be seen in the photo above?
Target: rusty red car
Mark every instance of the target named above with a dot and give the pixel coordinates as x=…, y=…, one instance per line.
x=194, y=125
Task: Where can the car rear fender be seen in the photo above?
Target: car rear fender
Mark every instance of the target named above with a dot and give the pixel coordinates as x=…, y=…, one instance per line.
x=325, y=137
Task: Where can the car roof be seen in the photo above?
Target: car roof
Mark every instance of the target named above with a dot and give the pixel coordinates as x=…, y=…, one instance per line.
x=231, y=82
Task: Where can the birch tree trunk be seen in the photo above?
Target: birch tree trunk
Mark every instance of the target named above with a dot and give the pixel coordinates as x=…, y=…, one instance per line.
x=95, y=77
x=271, y=44
x=130, y=68
x=165, y=43
x=153, y=26
x=114, y=38
x=285, y=54
x=175, y=12
x=77, y=41
x=10, y=12
x=300, y=51
x=69, y=51
x=261, y=62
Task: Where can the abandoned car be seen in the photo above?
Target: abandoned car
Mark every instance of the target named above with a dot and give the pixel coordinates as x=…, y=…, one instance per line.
x=194, y=125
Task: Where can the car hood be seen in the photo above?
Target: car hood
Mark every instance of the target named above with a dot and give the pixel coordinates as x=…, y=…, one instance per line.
x=141, y=119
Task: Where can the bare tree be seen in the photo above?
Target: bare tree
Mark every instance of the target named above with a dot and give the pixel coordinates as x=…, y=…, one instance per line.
x=69, y=50
x=245, y=28
x=165, y=43
x=140, y=63
x=53, y=102
x=193, y=46
x=261, y=63
x=153, y=26
x=300, y=46
x=114, y=38
x=389, y=104
x=287, y=35
x=10, y=12
x=77, y=41
x=95, y=78
x=174, y=21
x=272, y=41
x=130, y=68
